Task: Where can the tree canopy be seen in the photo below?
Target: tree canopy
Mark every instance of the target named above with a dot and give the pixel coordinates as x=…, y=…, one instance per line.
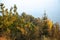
x=24, y=26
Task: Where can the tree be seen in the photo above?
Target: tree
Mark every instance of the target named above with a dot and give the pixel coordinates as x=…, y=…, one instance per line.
x=2, y=8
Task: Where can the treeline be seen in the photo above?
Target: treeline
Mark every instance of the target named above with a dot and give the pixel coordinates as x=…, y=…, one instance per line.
x=26, y=27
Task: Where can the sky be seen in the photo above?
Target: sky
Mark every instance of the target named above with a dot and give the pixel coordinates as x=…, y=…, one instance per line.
x=36, y=7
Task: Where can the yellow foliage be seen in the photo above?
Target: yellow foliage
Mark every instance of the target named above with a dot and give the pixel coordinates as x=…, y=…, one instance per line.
x=8, y=30
x=26, y=25
x=49, y=22
x=13, y=18
x=36, y=28
x=18, y=28
x=22, y=30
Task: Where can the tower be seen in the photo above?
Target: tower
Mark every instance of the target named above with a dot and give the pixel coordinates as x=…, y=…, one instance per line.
x=45, y=16
x=47, y=24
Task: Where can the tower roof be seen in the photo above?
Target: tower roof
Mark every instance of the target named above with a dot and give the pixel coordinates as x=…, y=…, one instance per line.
x=45, y=16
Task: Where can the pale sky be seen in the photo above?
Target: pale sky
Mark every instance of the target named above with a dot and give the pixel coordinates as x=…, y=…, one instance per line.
x=36, y=7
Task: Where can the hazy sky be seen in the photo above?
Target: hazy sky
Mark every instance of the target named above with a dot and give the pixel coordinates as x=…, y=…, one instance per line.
x=37, y=7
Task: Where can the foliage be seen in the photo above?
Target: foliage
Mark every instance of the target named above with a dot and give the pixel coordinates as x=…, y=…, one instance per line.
x=26, y=27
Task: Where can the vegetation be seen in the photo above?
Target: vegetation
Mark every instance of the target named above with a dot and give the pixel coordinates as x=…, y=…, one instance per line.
x=26, y=27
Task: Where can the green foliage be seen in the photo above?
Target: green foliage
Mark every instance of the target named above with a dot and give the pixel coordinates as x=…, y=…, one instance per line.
x=24, y=26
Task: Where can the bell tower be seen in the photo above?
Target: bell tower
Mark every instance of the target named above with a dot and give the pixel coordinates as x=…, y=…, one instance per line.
x=45, y=16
